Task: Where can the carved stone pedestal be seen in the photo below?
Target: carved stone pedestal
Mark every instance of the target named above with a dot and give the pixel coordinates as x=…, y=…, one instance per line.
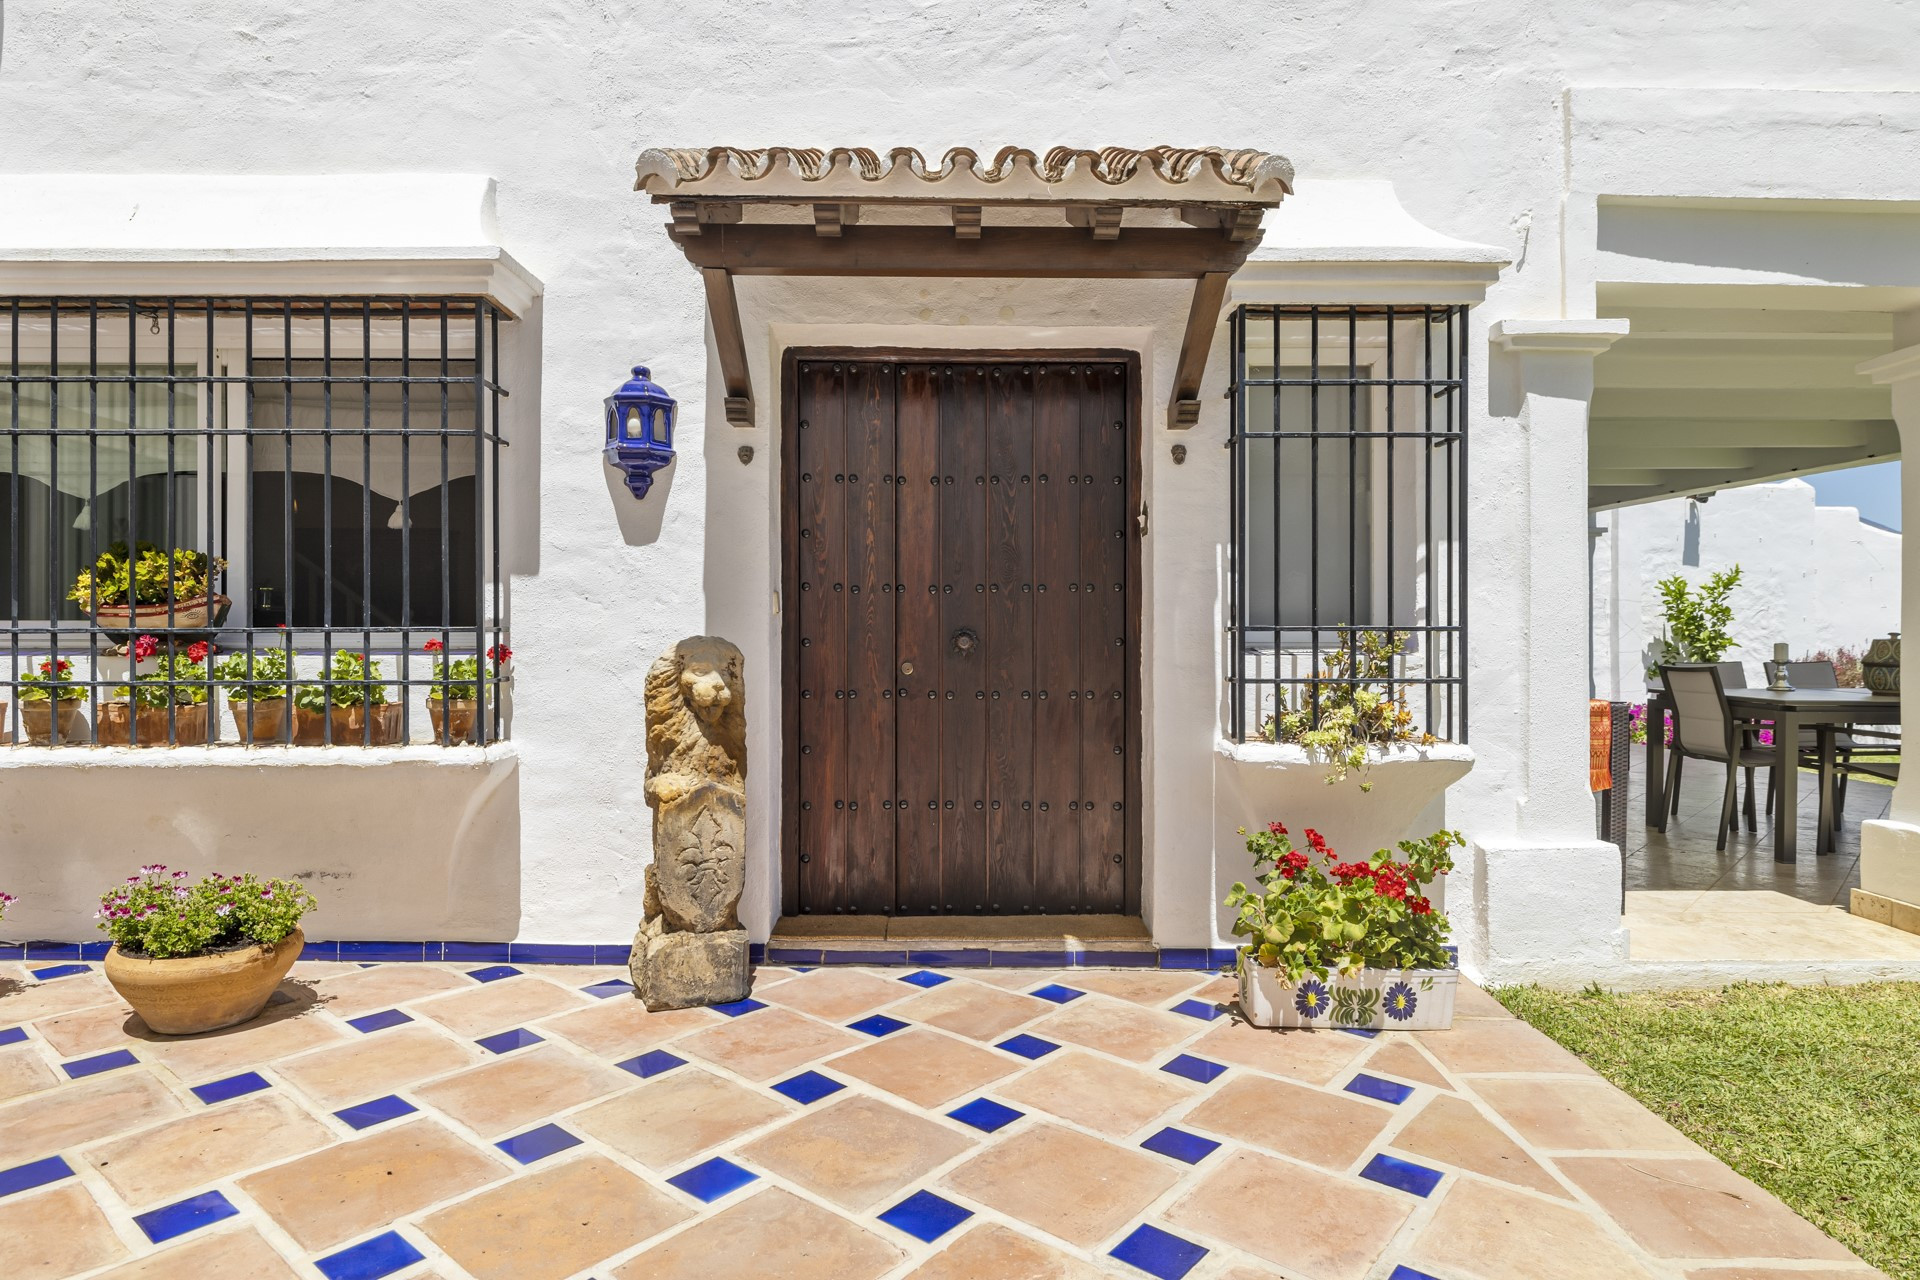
x=682, y=970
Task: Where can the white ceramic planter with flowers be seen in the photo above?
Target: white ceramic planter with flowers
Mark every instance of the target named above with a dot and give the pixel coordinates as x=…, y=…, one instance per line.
x=1353, y=945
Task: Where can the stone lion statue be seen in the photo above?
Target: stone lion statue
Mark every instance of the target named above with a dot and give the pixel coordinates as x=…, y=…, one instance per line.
x=696, y=719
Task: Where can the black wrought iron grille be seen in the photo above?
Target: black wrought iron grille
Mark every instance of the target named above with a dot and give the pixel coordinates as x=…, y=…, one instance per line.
x=1349, y=519
x=252, y=521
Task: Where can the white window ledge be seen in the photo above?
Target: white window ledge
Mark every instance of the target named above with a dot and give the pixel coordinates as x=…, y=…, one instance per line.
x=1291, y=755
x=234, y=756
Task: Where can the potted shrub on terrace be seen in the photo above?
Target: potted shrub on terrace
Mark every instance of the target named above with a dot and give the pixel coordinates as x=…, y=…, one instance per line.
x=453, y=702
x=153, y=707
x=355, y=701
x=150, y=590
x=1353, y=708
x=257, y=693
x=1344, y=944
x=197, y=957
x=45, y=692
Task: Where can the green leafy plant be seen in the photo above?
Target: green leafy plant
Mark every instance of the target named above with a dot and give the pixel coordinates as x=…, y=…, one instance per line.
x=1309, y=913
x=259, y=676
x=1351, y=707
x=158, y=915
x=51, y=681
x=146, y=576
x=1696, y=623
x=355, y=684
x=187, y=670
x=455, y=681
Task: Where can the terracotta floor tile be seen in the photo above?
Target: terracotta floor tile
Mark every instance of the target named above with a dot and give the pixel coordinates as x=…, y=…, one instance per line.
x=925, y=1066
x=32, y=1001
x=161, y=1164
x=1116, y=1027
x=1072, y=1185
x=994, y=1252
x=1154, y=987
x=766, y=1043
x=621, y=1027
x=1469, y=1001
x=240, y=1254
x=104, y=1026
x=1314, y=1056
x=1302, y=1221
x=361, y=991
x=49, y=1235
x=511, y=1092
x=1219, y=991
x=350, y=1189
x=1251, y=1273
x=855, y=1152
x=495, y=1006
x=1108, y=1096
x=116, y=1102
x=315, y=970
x=1014, y=979
x=1697, y=1208
x=277, y=1033
x=1493, y=1233
x=1579, y=1115
x=973, y=1011
x=1861, y=1272
x=554, y=1222
x=1401, y=1060
x=666, y=1122
x=773, y=1233
x=839, y=995
x=1475, y=1045
x=1452, y=1131
x=1327, y=1129
x=376, y=1065
x=24, y=1071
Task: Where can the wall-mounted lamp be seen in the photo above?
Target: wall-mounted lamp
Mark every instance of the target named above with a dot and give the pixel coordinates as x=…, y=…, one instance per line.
x=640, y=430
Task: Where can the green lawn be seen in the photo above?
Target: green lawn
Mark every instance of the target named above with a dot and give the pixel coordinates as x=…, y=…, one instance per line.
x=1812, y=1092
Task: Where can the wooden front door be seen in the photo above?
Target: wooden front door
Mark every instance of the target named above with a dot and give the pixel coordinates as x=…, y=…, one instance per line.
x=960, y=648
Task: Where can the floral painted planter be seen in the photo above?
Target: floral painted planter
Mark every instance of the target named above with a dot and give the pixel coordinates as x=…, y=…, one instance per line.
x=197, y=614
x=1377, y=999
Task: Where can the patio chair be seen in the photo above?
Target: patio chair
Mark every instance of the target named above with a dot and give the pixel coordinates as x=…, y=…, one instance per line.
x=1821, y=675
x=1704, y=729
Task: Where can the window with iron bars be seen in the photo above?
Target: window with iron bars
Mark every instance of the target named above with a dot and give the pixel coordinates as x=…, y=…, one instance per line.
x=251, y=521
x=1348, y=523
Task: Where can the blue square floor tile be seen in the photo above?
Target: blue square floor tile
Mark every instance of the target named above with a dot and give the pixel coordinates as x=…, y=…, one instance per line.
x=737, y=1007
x=709, y=1181
x=378, y=1021
x=493, y=973
x=925, y=978
x=1200, y=1009
x=1365, y=1033
x=99, y=1062
x=925, y=1216
x=51, y=972
x=538, y=1144
x=1058, y=994
x=1159, y=1253
x=1408, y=1273
x=1379, y=1090
x=177, y=1219
x=232, y=1087
x=368, y=1114
x=12, y=1035
x=808, y=1087
x=508, y=1041
x=35, y=1173
x=370, y=1259
x=1028, y=1046
x=610, y=988
x=1198, y=1070
x=986, y=1115
x=878, y=1024
x=1403, y=1175
x=651, y=1063
x=1189, y=1148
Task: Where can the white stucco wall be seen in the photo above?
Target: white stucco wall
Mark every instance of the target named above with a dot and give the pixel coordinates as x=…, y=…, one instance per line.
x=1811, y=577
x=1463, y=109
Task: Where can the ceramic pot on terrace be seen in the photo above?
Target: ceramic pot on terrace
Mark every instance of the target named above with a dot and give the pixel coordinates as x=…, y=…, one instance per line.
x=202, y=613
x=453, y=720
x=191, y=994
x=36, y=721
x=269, y=721
x=119, y=720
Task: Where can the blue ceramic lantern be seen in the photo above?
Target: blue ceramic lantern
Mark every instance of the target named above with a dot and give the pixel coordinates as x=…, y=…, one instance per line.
x=640, y=430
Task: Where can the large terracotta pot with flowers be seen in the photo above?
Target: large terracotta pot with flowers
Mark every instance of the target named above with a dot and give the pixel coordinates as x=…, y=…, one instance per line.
x=257, y=693
x=46, y=694
x=147, y=589
x=349, y=709
x=453, y=701
x=165, y=707
x=194, y=958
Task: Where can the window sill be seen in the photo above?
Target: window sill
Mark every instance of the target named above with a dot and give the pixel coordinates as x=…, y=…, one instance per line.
x=1291, y=755
x=231, y=755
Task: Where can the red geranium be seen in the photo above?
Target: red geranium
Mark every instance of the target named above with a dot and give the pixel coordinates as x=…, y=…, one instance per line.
x=499, y=653
x=198, y=651
x=145, y=647
x=433, y=646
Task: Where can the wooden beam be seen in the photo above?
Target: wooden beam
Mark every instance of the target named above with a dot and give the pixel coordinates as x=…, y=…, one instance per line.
x=724, y=309
x=966, y=222
x=829, y=218
x=786, y=249
x=1209, y=295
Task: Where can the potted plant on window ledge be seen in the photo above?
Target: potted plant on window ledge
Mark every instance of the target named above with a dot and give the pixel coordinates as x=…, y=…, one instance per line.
x=166, y=707
x=257, y=694
x=1354, y=945
x=355, y=704
x=148, y=589
x=46, y=691
x=193, y=958
x=453, y=701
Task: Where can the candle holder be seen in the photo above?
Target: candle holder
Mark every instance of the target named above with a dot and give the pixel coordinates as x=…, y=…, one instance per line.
x=1780, y=682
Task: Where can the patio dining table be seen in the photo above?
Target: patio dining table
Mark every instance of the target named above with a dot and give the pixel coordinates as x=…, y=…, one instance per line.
x=1825, y=711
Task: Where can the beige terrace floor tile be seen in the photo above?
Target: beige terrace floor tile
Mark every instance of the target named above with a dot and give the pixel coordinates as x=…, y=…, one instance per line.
x=1116, y=1027
x=31, y=1001
x=1452, y=1131
x=524, y=1086
x=766, y=1043
x=925, y=1066
x=24, y=1071
x=240, y=1254
x=84, y=1031
x=667, y=1122
x=280, y=1031
x=553, y=1223
x=376, y=1065
x=622, y=1027
x=1580, y=1115
x=1493, y=1045
x=1493, y=1233
x=349, y=1190
x=1469, y=1001
x=994, y=1252
x=48, y=1235
x=496, y=1006
x=1314, y=1056
x=117, y=1102
x=855, y=1152
x=1303, y=1221
x=161, y=1164
x=1401, y=1060
x=369, y=990
x=838, y=995
x=1327, y=1129
x=1699, y=1208
x=1156, y=988
x=1075, y=1186
x=1861, y=1272
x=1014, y=979
x=772, y=1233
x=1110, y=1097
x=971, y=1010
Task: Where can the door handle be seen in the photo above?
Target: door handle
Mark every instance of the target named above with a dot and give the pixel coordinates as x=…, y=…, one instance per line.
x=906, y=668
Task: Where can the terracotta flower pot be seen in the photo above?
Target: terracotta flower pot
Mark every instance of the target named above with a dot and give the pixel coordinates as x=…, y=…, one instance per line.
x=197, y=614
x=453, y=720
x=349, y=726
x=269, y=720
x=36, y=718
x=118, y=720
x=203, y=993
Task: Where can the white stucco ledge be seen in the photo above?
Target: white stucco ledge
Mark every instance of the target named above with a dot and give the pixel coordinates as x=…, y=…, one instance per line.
x=232, y=756
x=1557, y=337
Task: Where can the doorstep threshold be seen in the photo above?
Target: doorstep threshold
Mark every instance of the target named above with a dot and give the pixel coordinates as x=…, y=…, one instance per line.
x=999, y=933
